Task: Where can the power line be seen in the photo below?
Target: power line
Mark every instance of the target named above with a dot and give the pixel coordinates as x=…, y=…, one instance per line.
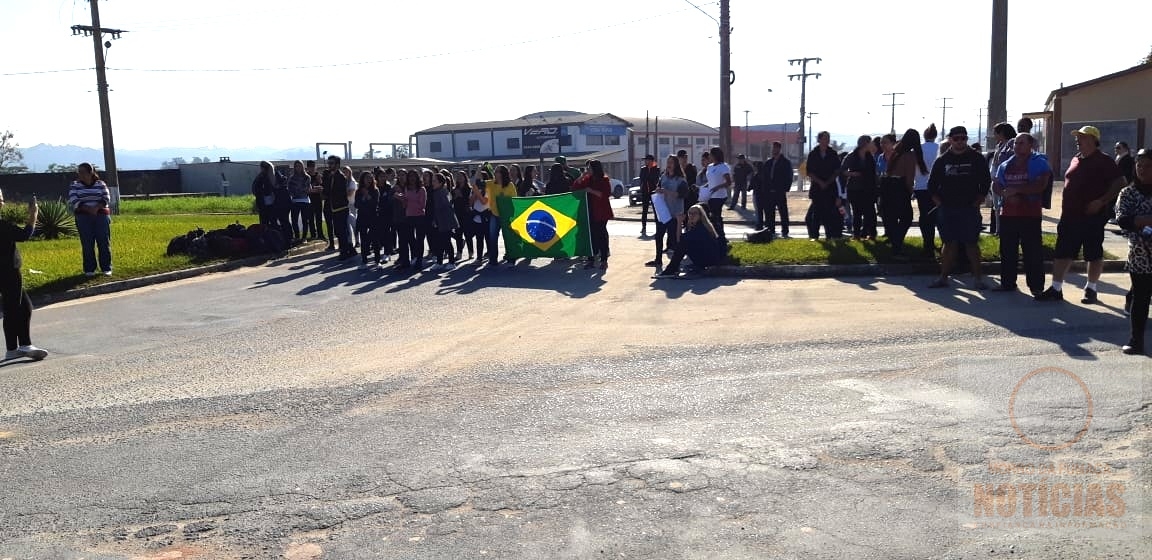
x=702, y=11
x=47, y=71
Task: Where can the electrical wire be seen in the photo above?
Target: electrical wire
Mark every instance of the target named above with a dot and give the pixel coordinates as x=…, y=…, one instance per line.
x=46, y=71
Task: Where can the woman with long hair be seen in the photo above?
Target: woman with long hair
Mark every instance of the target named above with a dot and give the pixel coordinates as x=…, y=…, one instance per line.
x=1005, y=135
x=527, y=185
x=367, y=203
x=499, y=187
x=463, y=209
x=301, y=214
x=414, y=200
x=672, y=187
x=516, y=176
x=1134, y=215
x=699, y=243
x=16, y=304
x=596, y=184
x=263, y=188
x=89, y=199
x=481, y=214
x=860, y=170
x=443, y=220
x=558, y=180
x=896, y=189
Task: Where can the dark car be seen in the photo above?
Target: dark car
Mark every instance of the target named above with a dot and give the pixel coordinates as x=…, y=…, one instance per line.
x=634, y=192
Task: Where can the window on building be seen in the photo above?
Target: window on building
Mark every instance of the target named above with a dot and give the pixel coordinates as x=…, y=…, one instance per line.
x=513, y=143
x=754, y=151
x=595, y=139
x=435, y=147
x=565, y=140
x=612, y=140
x=665, y=141
x=642, y=140
x=682, y=141
x=715, y=140
x=473, y=145
x=701, y=141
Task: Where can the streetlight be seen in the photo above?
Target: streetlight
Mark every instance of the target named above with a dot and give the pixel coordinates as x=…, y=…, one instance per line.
x=810, y=128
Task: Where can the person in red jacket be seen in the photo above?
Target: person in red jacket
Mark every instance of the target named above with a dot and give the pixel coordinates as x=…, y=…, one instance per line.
x=599, y=190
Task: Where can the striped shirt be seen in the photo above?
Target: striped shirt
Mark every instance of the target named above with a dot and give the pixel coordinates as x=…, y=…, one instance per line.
x=95, y=195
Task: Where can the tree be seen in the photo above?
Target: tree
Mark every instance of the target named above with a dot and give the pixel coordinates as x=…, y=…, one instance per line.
x=1148, y=59
x=61, y=168
x=10, y=156
x=173, y=163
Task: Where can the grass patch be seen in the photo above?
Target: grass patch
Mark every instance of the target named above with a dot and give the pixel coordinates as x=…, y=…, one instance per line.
x=139, y=244
x=846, y=251
x=188, y=205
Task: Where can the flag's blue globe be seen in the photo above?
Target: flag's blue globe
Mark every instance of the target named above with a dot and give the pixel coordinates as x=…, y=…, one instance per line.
x=541, y=226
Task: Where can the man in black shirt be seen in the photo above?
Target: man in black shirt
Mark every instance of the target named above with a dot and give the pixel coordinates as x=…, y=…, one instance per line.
x=958, y=184
x=740, y=175
x=823, y=167
x=690, y=173
x=771, y=195
x=649, y=180
x=336, y=199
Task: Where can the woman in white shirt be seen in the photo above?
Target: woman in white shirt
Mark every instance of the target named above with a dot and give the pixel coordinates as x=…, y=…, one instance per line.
x=719, y=176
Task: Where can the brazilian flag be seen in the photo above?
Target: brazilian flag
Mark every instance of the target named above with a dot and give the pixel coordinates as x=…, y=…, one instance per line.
x=546, y=226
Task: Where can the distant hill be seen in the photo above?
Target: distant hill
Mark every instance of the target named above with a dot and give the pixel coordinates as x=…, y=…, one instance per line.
x=40, y=156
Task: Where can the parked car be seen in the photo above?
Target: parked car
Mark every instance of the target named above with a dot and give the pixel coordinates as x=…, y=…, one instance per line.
x=617, y=187
x=634, y=192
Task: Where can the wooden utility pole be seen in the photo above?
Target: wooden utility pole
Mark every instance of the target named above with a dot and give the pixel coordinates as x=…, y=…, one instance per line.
x=944, y=113
x=97, y=33
x=998, y=77
x=803, y=77
x=893, y=105
x=726, y=80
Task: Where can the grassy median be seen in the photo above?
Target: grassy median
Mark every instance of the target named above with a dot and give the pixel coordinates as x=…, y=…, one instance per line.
x=847, y=251
x=187, y=205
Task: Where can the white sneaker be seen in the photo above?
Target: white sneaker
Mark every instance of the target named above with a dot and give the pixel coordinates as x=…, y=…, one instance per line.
x=36, y=354
x=107, y=273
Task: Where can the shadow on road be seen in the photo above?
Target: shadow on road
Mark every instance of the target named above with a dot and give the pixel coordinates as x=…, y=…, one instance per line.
x=675, y=288
x=1069, y=324
x=562, y=276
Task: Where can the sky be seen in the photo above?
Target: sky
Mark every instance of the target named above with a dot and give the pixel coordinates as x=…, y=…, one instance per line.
x=290, y=73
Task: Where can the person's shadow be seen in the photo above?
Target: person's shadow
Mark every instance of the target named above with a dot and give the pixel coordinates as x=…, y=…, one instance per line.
x=1069, y=324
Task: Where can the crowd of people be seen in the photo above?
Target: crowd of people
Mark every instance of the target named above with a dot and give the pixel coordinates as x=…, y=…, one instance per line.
x=419, y=215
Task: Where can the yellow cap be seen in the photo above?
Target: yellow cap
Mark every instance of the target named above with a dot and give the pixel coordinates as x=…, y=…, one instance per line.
x=1089, y=131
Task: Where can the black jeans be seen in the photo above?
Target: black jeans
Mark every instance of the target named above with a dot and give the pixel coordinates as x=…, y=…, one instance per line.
x=739, y=194
x=823, y=212
x=600, y=240
x=301, y=218
x=318, y=216
x=1141, y=297
x=716, y=216
x=18, y=309
x=339, y=225
x=896, y=204
x=1021, y=234
x=927, y=220
x=665, y=230
x=328, y=222
x=770, y=203
x=863, y=213
x=411, y=234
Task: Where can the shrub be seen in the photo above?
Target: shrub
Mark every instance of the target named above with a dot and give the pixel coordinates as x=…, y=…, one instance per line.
x=15, y=213
x=56, y=220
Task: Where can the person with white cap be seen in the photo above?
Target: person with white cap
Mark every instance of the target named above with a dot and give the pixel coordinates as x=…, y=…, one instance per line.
x=1092, y=182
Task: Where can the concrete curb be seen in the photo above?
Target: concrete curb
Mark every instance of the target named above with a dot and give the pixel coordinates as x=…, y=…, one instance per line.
x=133, y=283
x=808, y=271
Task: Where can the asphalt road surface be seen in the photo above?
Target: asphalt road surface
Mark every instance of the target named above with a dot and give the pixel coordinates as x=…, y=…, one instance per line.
x=310, y=410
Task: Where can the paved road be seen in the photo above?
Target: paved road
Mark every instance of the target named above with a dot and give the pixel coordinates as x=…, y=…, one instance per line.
x=306, y=410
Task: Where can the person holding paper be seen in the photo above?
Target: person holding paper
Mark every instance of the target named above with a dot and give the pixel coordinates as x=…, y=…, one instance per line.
x=669, y=203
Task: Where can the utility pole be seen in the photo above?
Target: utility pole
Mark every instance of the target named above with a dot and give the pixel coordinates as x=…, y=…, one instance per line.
x=944, y=113
x=809, y=129
x=980, y=120
x=998, y=77
x=746, y=144
x=97, y=33
x=727, y=77
x=893, y=105
x=803, y=77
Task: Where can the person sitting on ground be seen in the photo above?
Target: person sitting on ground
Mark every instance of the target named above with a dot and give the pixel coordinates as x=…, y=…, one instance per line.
x=699, y=243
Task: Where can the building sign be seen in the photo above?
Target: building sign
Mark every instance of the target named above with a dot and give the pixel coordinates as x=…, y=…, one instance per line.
x=603, y=129
x=541, y=140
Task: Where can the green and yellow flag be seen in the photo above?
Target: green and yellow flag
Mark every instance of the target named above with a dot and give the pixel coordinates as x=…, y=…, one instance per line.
x=546, y=226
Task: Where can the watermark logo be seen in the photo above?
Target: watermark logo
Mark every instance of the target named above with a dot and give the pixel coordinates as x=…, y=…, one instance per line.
x=1044, y=466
